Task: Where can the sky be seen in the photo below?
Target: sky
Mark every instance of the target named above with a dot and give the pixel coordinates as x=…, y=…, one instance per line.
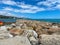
x=35, y=9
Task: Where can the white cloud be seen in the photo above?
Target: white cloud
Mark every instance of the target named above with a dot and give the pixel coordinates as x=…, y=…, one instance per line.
x=32, y=10
x=6, y=13
x=2, y=12
x=8, y=2
x=24, y=8
x=50, y=4
x=10, y=14
x=23, y=5
x=29, y=8
x=58, y=6
x=8, y=8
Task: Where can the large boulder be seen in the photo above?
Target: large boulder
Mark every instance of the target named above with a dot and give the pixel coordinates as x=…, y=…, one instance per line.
x=4, y=33
x=18, y=40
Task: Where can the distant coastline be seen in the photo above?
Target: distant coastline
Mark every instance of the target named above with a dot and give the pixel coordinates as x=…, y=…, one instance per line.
x=13, y=19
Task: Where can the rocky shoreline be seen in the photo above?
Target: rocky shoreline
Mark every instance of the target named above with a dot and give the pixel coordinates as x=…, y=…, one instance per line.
x=35, y=33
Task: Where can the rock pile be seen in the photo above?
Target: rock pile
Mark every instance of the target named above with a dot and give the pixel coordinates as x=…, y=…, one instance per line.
x=10, y=33
x=31, y=32
x=39, y=27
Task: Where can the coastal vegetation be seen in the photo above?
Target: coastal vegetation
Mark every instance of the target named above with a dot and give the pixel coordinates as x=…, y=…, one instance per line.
x=7, y=17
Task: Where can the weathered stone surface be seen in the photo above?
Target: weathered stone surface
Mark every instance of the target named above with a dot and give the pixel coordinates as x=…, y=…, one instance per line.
x=30, y=33
x=4, y=28
x=16, y=31
x=4, y=33
x=19, y=40
x=50, y=40
x=33, y=40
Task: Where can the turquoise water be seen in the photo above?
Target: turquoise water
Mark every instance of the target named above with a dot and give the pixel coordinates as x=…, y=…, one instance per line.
x=45, y=20
x=8, y=20
x=50, y=20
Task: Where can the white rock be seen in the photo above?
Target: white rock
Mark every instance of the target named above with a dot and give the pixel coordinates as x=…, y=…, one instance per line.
x=5, y=35
x=3, y=28
x=13, y=24
x=33, y=40
x=54, y=26
x=10, y=35
x=31, y=33
x=8, y=27
x=20, y=24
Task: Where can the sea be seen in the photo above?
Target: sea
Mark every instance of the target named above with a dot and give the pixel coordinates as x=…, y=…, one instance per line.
x=8, y=20
x=50, y=20
x=44, y=20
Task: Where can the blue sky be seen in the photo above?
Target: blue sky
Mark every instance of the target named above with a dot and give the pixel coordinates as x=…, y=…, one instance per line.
x=35, y=9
